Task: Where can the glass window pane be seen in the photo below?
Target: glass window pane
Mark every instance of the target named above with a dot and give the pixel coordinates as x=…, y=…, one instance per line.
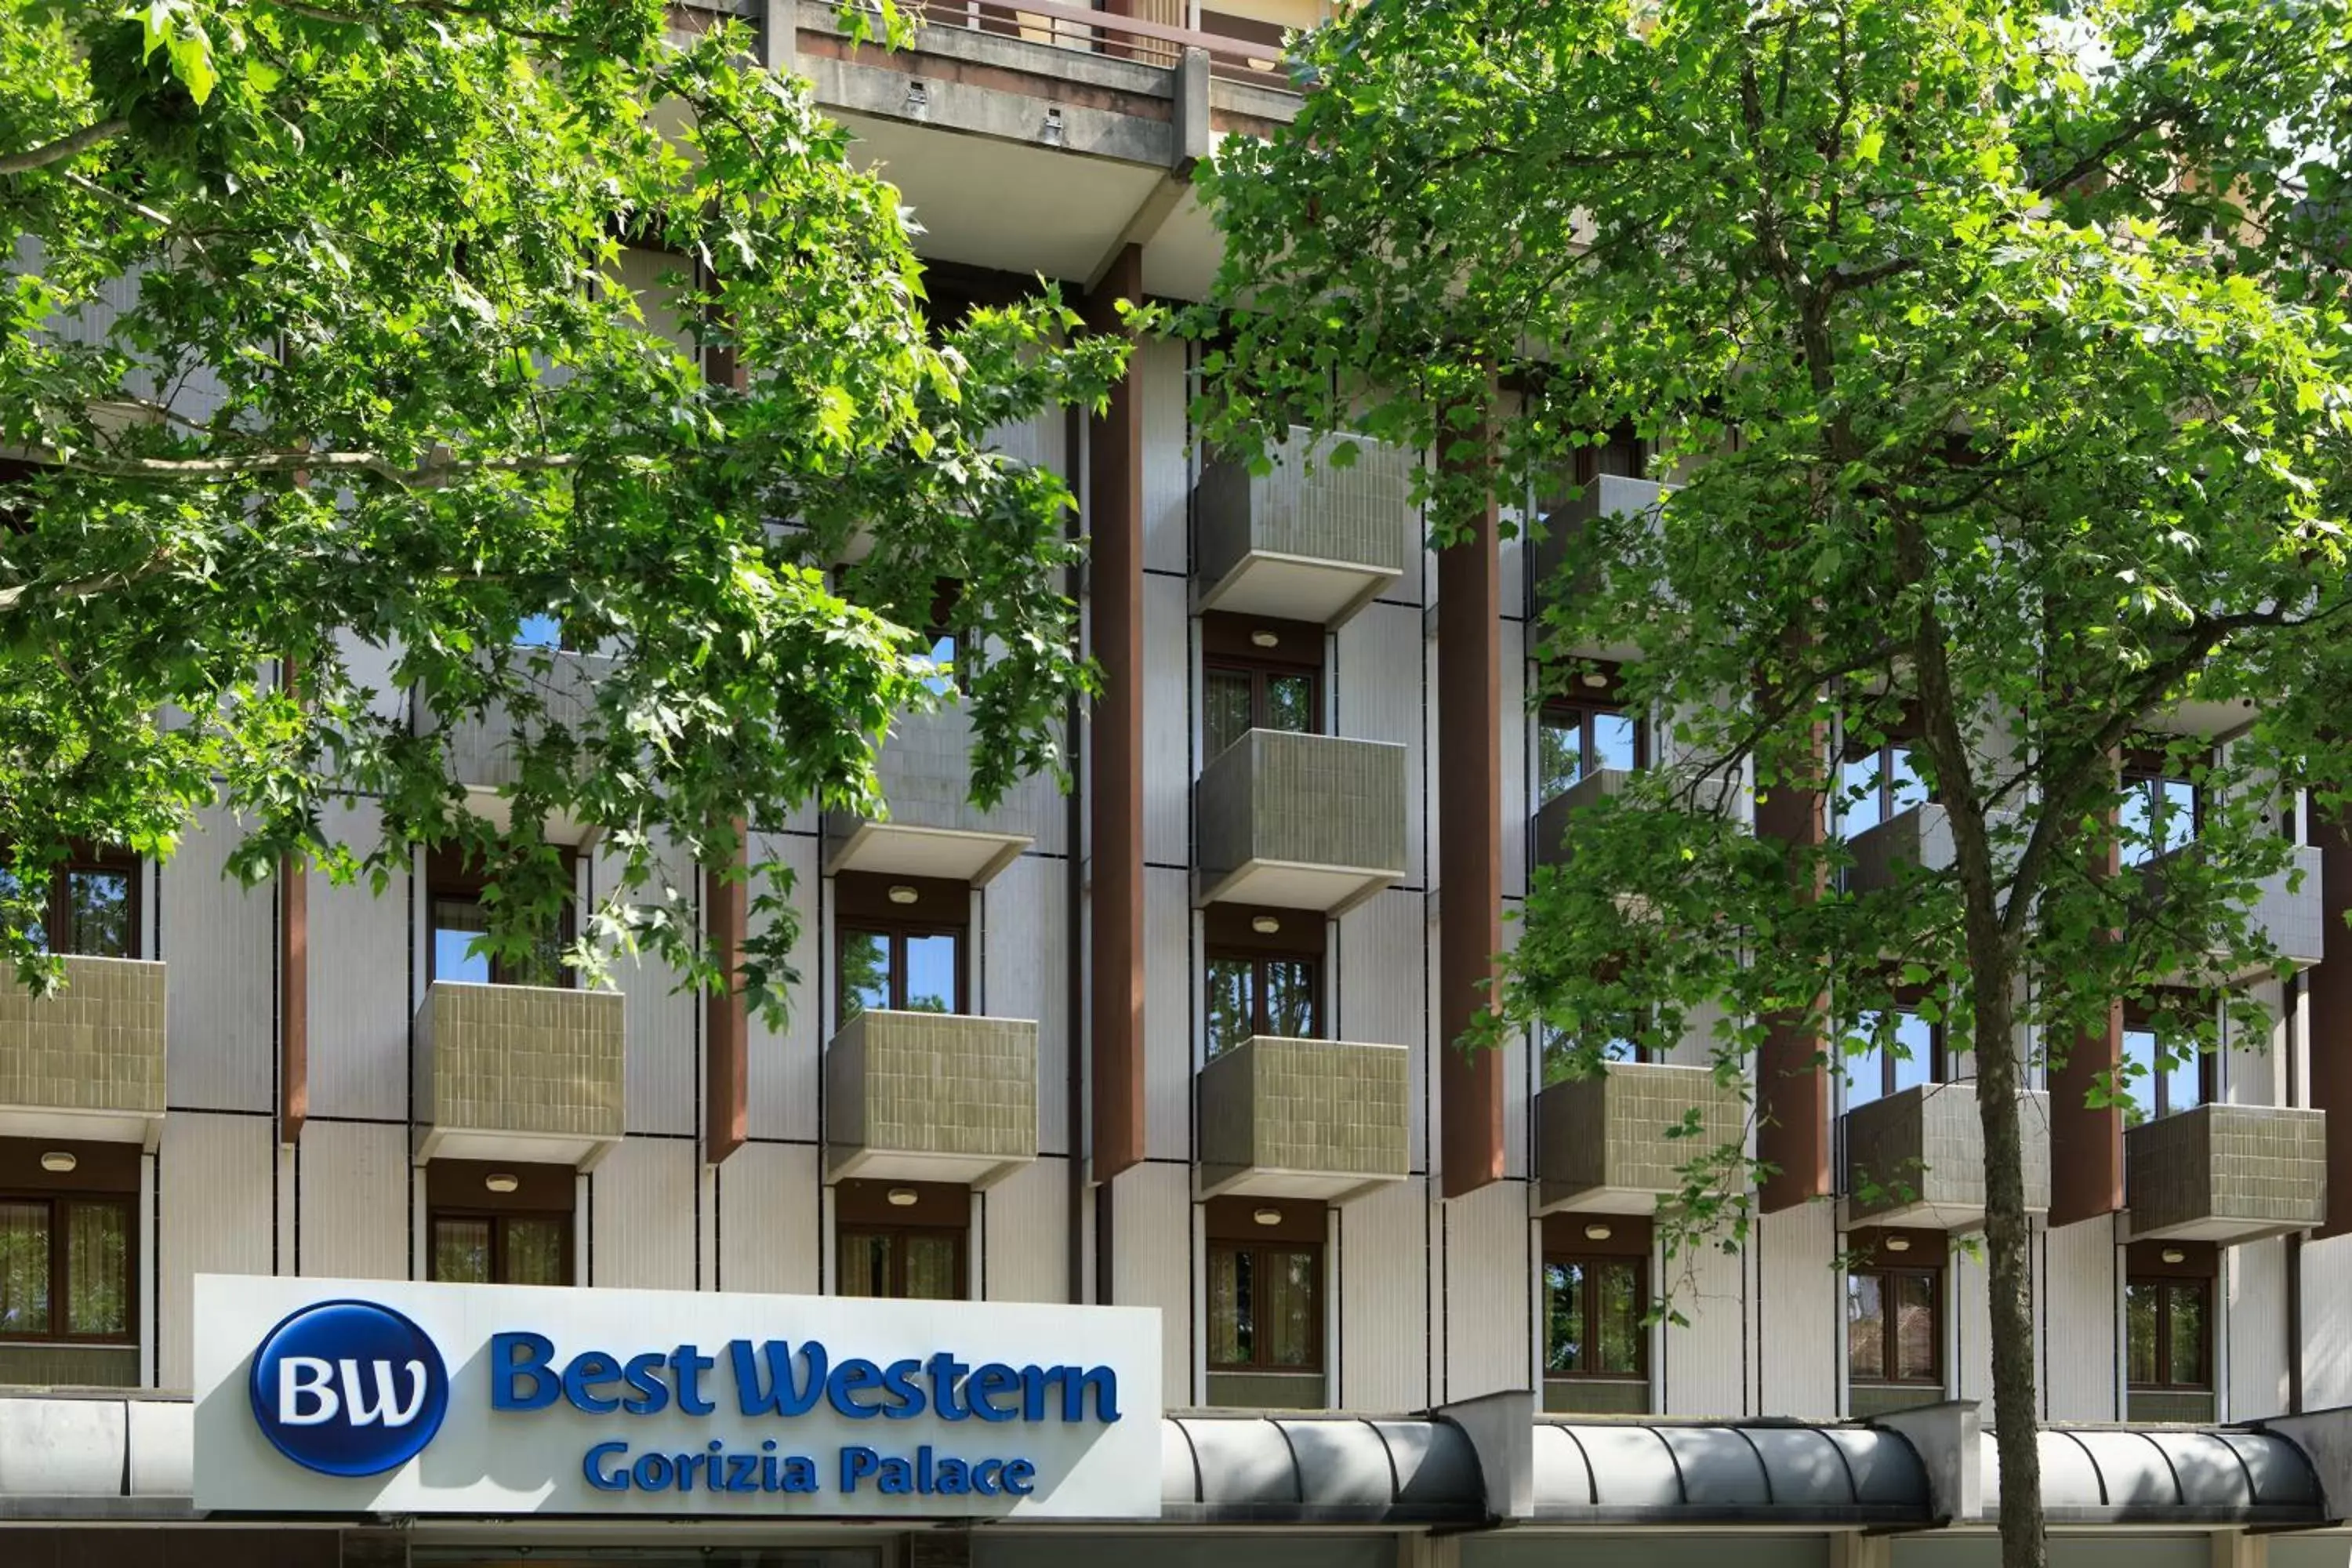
x=458, y=924
x=865, y=1263
x=1858, y=795
x=535, y=1250
x=1904, y=788
x=24, y=1267
x=2176, y=803
x=2184, y=1081
x=2139, y=1331
x=1865, y=1068
x=98, y=913
x=1865, y=1327
x=2187, y=1332
x=39, y=929
x=2134, y=822
x=1915, y=1325
x=931, y=972
x=1560, y=756
x=539, y=631
x=864, y=972
x=1290, y=704
x=98, y=1269
x=1290, y=986
x=461, y=1251
x=1617, y=1313
x=1230, y=984
x=1915, y=1041
x=1563, y=1317
x=2139, y=1053
x=1224, y=710
x=1613, y=741
x=1289, y=1315
x=943, y=655
x=1230, y=1338
x=931, y=1272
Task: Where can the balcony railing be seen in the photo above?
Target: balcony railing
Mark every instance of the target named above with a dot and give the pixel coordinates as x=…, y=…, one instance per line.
x=1916, y=1158
x=933, y=828
x=1605, y=495
x=2291, y=917
x=518, y=1072
x=1308, y=542
x=89, y=1061
x=1554, y=837
x=1617, y=1144
x=1304, y=1118
x=1305, y=822
x=2226, y=1174
x=1134, y=38
x=938, y=1097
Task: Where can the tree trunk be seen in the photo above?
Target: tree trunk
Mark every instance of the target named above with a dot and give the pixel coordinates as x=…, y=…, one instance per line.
x=2006, y=1233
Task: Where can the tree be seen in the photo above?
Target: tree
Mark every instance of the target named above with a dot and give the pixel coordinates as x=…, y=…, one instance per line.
x=336, y=379
x=2000, y=354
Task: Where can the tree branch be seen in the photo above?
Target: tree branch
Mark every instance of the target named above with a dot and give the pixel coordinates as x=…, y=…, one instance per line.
x=63, y=148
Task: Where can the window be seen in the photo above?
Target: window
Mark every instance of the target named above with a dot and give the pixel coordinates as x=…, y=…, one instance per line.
x=1876, y=783
x=2162, y=807
x=1258, y=674
x=900, y=944
x=1265, y=1299
x=1894, y=1312
x=2168, y=1328
x=1596, y=1294
x=1905, y=1051
x=500, y=1224
x=1265, y=974
x=458, y=902
x=2164, y=1070
x=904, y=1241
x=68, y=1261
x=1579, y=736
x=93, y=906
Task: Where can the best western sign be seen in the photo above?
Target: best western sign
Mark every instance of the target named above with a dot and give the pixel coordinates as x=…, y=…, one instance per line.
x=381, y=1396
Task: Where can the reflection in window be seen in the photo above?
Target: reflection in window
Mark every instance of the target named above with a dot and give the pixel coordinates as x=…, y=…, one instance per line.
x=1902, y=1053
x=1892, y=1329
x=1593, y=1317
x=65, y=1268
x=502, y=1248
x=2154, y=1085
x=900, y=970
x=901, y=1263
x=2166, y=1326
x=2157, y=815
x=91, y=908
x=1574, y=739
x=1238, y=698
x=1877, y=785
x=1260, y=994
x=1265, y=1307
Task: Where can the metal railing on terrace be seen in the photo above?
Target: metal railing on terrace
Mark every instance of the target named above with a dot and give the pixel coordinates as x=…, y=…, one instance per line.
x=1121, y=38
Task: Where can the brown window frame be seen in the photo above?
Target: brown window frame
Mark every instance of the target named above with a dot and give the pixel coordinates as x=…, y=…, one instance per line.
x=1925, y=1255
x=2144, y=1267
x=1940, y=1055
x=1577, y=707
x=1228, y=936
x=1232, y=1228
x=448, y=876
x=1566, y=1244
x=941, y=1209
x=104, y=1175
x=2150, y=769
x=1228, y=646
x=455, y=1189
x=2139, y=1018
x=862, y=904
x=57, y=919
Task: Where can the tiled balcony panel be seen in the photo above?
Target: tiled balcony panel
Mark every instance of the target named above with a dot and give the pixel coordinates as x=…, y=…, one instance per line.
x=1922, y=1152
x=1310, y=822
x=1611, y=1145
x=87, y=1062
x=939, y=1097
x=1303, y=1119
x=1307, y=546
x=2226, y=1172
x=522, y=1072
x=1609, y=495
x=933, y=828
x=2292, y=918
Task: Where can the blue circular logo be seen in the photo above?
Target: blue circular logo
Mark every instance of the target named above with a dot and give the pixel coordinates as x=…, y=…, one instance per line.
x=349, y=1388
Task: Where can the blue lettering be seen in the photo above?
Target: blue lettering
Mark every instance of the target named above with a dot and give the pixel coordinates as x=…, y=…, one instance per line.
x=514, y=1358
x=984, y=1476
x=588, y=1368
x=652, y=1472
x=899, y=1381
x=897, y=1477
x=856, y=1464
x=689, y=1365
x=1034, y=1381
x=946, y=1374
x=854, y=1376
x=778, y=1393
x=1074, y=1383
x=800, y=1473
x=604, y=1480
x=954, y=1476
x=987, y=1384
x=651, y=1396
x=1020, y=1478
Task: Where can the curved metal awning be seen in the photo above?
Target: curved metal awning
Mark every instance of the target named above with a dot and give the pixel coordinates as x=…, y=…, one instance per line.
x=1743, y=1473
x=2167, y=1475
x=1316, y=1470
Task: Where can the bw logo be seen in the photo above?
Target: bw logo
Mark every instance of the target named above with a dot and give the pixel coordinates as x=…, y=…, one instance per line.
x=349, y=1388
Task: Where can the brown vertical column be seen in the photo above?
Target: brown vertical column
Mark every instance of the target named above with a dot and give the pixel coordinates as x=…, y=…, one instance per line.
x=1792, y=1081
x=2087, y=1144
x=293, y=998
x=725, y=1028
x=1115, y=575
x=2327, y=1044
x=1469, y=850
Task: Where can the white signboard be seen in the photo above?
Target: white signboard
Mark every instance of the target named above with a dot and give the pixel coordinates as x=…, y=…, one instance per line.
x=349, y=1395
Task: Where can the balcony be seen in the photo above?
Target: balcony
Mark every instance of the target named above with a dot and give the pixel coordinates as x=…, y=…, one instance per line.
x=87, y=1062
x=482, y=754
x=1615, y=1144
x=1302, y=822
x=1303, y=545
x=1607, y=495
x=933, y=828
x=1550, y=828
x=2293, y=921
x=2226, y=1174
x=1303, y=1119
x=931, y=1097
x=1916, y=1158
x=518, y=1072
